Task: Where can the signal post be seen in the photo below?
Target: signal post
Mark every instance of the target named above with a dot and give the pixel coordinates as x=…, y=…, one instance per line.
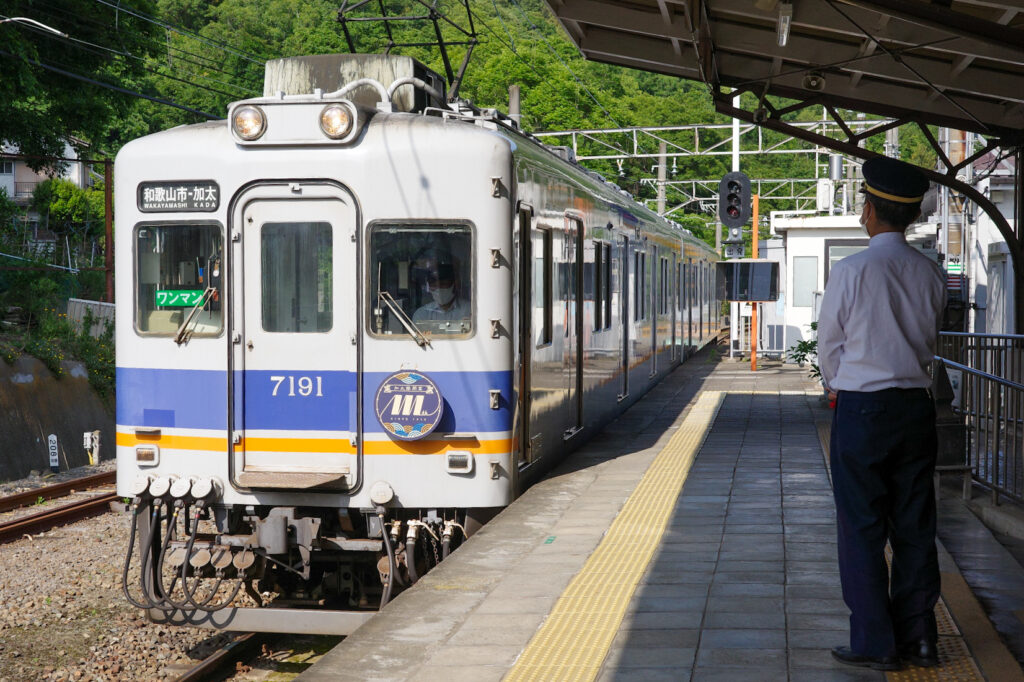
x=741, y=279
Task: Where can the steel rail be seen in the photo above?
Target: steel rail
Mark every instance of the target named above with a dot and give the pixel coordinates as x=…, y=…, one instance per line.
x=213, y=666
x=45, y=520
x=29, y=497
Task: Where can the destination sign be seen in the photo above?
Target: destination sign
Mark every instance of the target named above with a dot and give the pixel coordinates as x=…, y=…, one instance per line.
x=188, y=195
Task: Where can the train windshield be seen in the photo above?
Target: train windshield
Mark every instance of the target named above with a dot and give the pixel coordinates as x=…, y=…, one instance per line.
x=421, y=280
x=178, y=268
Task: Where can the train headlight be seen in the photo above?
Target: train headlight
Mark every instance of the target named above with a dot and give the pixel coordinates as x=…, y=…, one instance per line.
x=249, y=122
x=336, y=120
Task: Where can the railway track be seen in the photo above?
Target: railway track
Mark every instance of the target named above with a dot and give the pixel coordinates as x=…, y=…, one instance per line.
x=55, y=516
x=49, y=492
x=222, y=662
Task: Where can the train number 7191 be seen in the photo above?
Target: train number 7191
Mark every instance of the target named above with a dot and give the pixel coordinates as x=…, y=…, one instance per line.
x=302, y=385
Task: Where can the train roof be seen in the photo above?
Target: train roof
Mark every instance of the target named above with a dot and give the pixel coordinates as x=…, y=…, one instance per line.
x=458, y=118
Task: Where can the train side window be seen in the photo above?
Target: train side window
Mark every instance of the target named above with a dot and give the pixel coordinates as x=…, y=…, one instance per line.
x=178, y=266
x=544, y=270
x=638, y=288
x=663, y=288
x=606, y=281
x=642, y=286
x=422, y=272
x=598, y=286
x=298, y=277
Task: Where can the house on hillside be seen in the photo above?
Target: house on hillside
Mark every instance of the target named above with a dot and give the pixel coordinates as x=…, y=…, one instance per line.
x=19, y=181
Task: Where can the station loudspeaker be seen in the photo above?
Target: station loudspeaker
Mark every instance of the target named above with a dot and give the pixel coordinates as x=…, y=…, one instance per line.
x=734, y=205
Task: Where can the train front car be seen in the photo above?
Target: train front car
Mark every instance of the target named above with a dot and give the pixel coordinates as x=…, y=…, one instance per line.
x=313, y=357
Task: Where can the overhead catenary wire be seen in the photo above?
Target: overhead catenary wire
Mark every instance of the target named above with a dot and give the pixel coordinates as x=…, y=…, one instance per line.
x=205, y=63
x=121, y=7
x=97, y=49
x=116, y=88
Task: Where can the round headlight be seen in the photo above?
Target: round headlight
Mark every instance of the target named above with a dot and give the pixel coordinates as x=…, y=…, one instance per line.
x=336, y=121
x=249, y=122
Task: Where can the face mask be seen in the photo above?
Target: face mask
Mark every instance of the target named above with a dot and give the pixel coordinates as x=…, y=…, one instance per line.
x=443, y=296
x=863, y=222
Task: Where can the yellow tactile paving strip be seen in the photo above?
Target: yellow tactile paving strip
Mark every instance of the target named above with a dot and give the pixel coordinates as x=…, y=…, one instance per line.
x=575, y=638
x=955, y=661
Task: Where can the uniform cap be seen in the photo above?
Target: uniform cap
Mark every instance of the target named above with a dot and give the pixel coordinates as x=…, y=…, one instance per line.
x=894, y=180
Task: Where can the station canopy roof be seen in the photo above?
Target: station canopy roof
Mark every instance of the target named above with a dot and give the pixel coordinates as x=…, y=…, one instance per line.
x=953, y=63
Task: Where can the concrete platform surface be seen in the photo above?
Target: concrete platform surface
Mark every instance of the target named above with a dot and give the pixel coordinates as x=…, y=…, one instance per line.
x=741, y=583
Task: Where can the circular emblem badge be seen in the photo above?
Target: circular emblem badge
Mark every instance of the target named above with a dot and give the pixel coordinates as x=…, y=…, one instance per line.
x=408, y=405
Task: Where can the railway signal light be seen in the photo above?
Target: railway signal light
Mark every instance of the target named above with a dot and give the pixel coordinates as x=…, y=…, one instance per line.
x=734, y=205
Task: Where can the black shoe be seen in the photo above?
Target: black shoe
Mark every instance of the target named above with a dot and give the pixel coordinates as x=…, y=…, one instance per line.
x=922, y=653
x=844, y=655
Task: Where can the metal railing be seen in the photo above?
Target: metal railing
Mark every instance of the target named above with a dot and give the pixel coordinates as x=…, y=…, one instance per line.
x=999, y=354
x=988, y=394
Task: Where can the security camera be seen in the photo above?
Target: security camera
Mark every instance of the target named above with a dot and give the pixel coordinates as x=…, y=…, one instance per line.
x=814, y=81
x=760, y=115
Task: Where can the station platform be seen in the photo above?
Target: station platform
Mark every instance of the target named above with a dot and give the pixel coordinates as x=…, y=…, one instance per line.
x=694, y=539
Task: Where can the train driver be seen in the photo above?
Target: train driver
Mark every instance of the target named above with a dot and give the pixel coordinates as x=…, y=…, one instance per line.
x=444, y=284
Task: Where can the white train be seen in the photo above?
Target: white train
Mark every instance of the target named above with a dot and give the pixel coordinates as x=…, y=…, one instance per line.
x=347, y=336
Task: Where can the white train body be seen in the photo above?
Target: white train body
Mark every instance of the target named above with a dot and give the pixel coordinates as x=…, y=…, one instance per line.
x=261, y=354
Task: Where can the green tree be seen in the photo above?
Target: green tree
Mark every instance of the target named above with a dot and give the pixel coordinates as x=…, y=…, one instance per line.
x=44, y=107
x=69, y=208
x=9, y=215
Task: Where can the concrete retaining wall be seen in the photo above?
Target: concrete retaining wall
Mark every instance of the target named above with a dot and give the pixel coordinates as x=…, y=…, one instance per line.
x=34, y=404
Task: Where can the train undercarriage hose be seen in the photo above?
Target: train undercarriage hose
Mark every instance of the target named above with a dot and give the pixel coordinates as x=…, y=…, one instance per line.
x=392, y=564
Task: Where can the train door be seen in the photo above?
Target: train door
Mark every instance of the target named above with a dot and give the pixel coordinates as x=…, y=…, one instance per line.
x=524, y=336
x=295, y=334
x=688, y=298
x=674, y=289
x=700, y=301
x=624, y=316
x=573, y=367
x=655, y=305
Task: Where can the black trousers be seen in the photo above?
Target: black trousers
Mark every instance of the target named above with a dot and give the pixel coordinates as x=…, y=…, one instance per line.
x=882, y=454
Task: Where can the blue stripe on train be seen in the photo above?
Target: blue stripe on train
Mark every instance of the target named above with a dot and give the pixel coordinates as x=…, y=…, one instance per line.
x=197, y=399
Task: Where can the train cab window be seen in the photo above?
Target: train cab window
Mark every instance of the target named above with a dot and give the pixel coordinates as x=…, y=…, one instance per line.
x=421, y=280
x=178, y=270
x=297, y=265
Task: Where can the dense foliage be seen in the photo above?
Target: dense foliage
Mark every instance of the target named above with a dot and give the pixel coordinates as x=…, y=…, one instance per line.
x=47, y=81
x=122, y=69
x=199, y=56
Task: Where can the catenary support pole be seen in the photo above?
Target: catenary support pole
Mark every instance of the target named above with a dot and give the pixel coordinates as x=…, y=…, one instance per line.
x=108, y=205
x=755, y=201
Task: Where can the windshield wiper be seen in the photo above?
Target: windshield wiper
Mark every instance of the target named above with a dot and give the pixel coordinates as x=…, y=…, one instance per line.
x=406, y=321
x=184, y=334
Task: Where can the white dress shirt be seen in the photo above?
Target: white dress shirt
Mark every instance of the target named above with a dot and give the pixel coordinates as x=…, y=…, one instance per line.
x=457, y=311
x=880, y=317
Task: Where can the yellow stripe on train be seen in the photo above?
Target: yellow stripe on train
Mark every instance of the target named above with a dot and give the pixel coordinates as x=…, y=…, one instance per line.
x=324, y=445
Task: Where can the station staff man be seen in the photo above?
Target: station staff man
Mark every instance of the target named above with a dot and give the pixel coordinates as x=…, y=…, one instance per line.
x=877, y=332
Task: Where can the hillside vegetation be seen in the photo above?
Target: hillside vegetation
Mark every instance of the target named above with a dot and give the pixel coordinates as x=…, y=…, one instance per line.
x=152, y=64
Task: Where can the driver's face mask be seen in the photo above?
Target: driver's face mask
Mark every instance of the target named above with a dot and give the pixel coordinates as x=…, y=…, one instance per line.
x=443, y=295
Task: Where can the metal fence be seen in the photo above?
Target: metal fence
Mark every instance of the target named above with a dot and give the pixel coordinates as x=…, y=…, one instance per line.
x=1001, y=355
x=985, y=372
